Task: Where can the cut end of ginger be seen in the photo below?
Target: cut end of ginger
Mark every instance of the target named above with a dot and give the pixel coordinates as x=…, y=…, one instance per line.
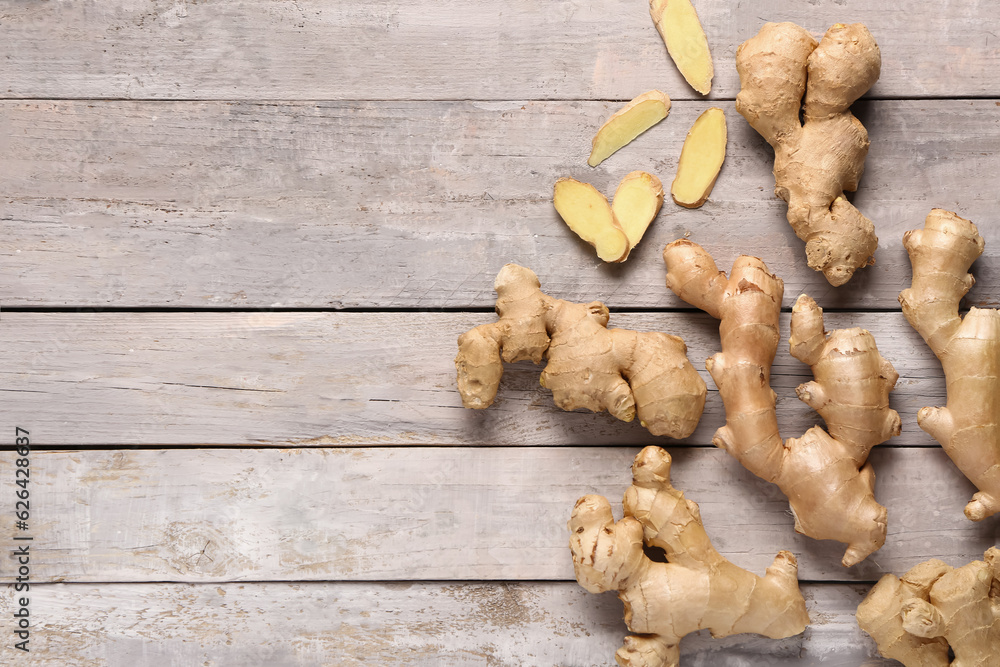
x=678, y=25
x=628, y=123
x=636, y=203
x=587, y=212
x=701, y=159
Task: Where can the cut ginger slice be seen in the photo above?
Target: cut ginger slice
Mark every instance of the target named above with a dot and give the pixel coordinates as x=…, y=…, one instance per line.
x=637, y=201
x=628, y=123
x=589, y=215
x=701, y=159
x=678, y=25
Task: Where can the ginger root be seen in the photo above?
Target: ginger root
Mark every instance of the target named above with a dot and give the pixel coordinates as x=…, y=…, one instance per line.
x=815, y=162
x=829, y=485
x=627, y=373
x=968, y=348
x=701, y=159
x=697, y=588
x=627, y=123
x=915, y=619
x=678, y=25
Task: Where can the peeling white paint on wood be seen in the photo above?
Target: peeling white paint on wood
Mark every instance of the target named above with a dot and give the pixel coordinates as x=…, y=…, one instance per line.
x=342, y=625
x=313, y=379
x=418, y=205
x=457, y=49
x=451, y=513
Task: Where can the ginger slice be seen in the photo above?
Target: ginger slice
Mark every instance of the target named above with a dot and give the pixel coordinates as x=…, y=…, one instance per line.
x=701, y=159
x=587, y=212
x=637, y=201
x=628, y=123
x=678, y=25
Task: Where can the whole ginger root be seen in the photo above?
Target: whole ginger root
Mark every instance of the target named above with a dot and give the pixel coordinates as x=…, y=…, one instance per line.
x=968, y=348
x=817, y=160
x=933, y=607
x=627, y=373
x=697, y=588
x=829, y=485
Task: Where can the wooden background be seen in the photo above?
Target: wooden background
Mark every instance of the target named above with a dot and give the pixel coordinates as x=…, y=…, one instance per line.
x=241, y=237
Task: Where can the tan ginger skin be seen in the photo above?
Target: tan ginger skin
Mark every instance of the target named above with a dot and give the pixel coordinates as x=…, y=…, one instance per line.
x=815, y=162
x=969, y=350
x=697, y=588
x=627, y=373
x=829, y=485
x=915, y=619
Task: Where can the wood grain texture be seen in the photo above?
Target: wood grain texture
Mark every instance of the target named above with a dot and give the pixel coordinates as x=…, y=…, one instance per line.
x=451, y=513
x=344, y=625
x=418, y=205
x=312, y=379
x=457, y=49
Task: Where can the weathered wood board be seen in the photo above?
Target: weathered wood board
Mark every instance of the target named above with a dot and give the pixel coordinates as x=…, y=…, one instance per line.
x=452, y=513
x=418, y=205
x=358, y=49
x=342, y=625
x=310, y=490
x=353, y=378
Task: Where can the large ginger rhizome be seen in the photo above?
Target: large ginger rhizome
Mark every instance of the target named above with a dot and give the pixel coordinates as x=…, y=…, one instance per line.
x=969, y=350
x=824, y=474
x=628, y=373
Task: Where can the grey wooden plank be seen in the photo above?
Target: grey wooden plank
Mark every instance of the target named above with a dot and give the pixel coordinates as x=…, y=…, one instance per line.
x=312, y=624
x=458, y=49
x=451, y=513
x=418, y=205
x=305, y=379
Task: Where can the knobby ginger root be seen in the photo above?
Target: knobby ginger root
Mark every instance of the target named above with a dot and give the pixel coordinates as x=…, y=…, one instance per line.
x=627, y=373
x=968, y=348
x=701, y=159
x=829, y=486
x=915, y=619
x=815, y=162
x=695, y=589
x=627, y=123
x=587, y=212
x=637, y=201
x=678, y=25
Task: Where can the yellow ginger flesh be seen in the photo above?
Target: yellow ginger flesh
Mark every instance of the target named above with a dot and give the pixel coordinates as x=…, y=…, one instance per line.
x=817, y=160
x=587, y=212
x=678, y=25
x=627, y=373
x=701, y=159
x=637, y=201
x=627, y=123
x=697, y=588
x=933, y=607
x=829, y=485
x=969, y=350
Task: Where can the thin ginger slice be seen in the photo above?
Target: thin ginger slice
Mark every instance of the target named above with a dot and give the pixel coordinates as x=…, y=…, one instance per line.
x=636, y=203
x=701, y=159
x=587, y=212
x=627, y=123
x=678, y=24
